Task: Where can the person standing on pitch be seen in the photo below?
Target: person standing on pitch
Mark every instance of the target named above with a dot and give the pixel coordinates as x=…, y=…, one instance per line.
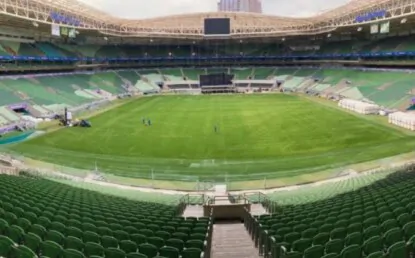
x=144, y=121
x=149, y=122
x=216, y=128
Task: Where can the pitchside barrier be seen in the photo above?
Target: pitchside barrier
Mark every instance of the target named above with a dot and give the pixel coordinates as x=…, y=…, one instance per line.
x=165, y=179
x=192, y=184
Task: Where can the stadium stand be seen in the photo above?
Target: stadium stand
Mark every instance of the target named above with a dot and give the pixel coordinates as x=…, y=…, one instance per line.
x=50, y=219
x=352, y=218
x=23, y=47
x=392, y=89
x=130, y=76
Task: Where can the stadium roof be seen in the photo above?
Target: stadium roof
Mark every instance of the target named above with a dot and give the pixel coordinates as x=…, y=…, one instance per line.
x=191, y=25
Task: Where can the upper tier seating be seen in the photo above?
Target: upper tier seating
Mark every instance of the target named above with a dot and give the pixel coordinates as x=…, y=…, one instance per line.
x=42, y=218
x=12, y=48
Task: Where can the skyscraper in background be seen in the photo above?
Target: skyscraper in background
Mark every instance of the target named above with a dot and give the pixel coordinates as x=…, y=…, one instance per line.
x=252, y=6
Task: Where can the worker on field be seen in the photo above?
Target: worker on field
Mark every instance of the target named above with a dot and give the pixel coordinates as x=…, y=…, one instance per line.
x=149, y=122
x=216, y=128
x=144, y=121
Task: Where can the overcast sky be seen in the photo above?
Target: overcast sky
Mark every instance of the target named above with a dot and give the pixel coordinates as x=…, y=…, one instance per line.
x=152, y=8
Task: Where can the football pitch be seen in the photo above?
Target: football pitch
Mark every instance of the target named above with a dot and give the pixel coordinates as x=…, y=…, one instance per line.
x=256, y=136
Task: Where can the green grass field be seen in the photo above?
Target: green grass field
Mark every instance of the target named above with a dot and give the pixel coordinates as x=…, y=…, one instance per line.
x=259, y=136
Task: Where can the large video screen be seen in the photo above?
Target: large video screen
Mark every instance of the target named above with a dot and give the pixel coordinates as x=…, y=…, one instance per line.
x=215, y=79
x=217, y=26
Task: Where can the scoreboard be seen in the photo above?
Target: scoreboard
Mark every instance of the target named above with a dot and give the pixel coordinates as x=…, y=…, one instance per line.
x=215, y=79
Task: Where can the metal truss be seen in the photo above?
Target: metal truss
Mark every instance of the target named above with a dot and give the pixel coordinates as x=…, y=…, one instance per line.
x=243, y=25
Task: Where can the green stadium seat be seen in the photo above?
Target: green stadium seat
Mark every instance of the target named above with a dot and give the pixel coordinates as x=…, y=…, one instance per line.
x=314, y=252
x=338, y=233
x=393, y=236
x=191, y=253
x=74, y=232
x=372, y=245
x=138, y=238
x=71, y=253
x=355, y=238
x=404, y=218
x=4, y=225
x=321, y=239
x=114, y=253
x=91, y=237
x=334, y=246
x=177, y=243
x=44, y=221
x=398, y=249
x=55, y=236
x=156, y=241
x=6, y=246
x=74, y=243
x=163, y=235
x=353, y=251
x=195, y=244
x=371, y=232
x=197, y=236
x=128, y=246
x=32, y=241
x=148, y=249
x=15, y=233
x=23, y=252
x=169, y=252
x=179, y=235
x=109, y=241
x=92, y=249
x=51, y=249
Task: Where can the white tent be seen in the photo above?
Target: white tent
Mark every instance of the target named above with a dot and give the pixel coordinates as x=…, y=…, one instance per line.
x=402, y=119
x=359, y=106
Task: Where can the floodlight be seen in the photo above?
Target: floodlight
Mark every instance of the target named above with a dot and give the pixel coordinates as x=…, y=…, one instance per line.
x=359, y=29
x=35, y=24
x=404, y=20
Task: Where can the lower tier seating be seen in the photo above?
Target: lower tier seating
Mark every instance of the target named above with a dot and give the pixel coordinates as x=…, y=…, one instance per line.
x=42, y=218
x=374, y=221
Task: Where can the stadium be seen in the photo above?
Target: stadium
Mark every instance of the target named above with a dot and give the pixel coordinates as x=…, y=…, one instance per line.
x=215, y=134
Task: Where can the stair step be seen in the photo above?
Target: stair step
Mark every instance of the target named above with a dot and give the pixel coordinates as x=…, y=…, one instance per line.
x=232, y=240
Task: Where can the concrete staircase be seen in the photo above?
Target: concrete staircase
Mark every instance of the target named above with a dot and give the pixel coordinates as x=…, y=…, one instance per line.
x=231, y=240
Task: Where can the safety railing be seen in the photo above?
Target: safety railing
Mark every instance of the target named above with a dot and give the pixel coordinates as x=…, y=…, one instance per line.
x=188, y=199
x=259, y=233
